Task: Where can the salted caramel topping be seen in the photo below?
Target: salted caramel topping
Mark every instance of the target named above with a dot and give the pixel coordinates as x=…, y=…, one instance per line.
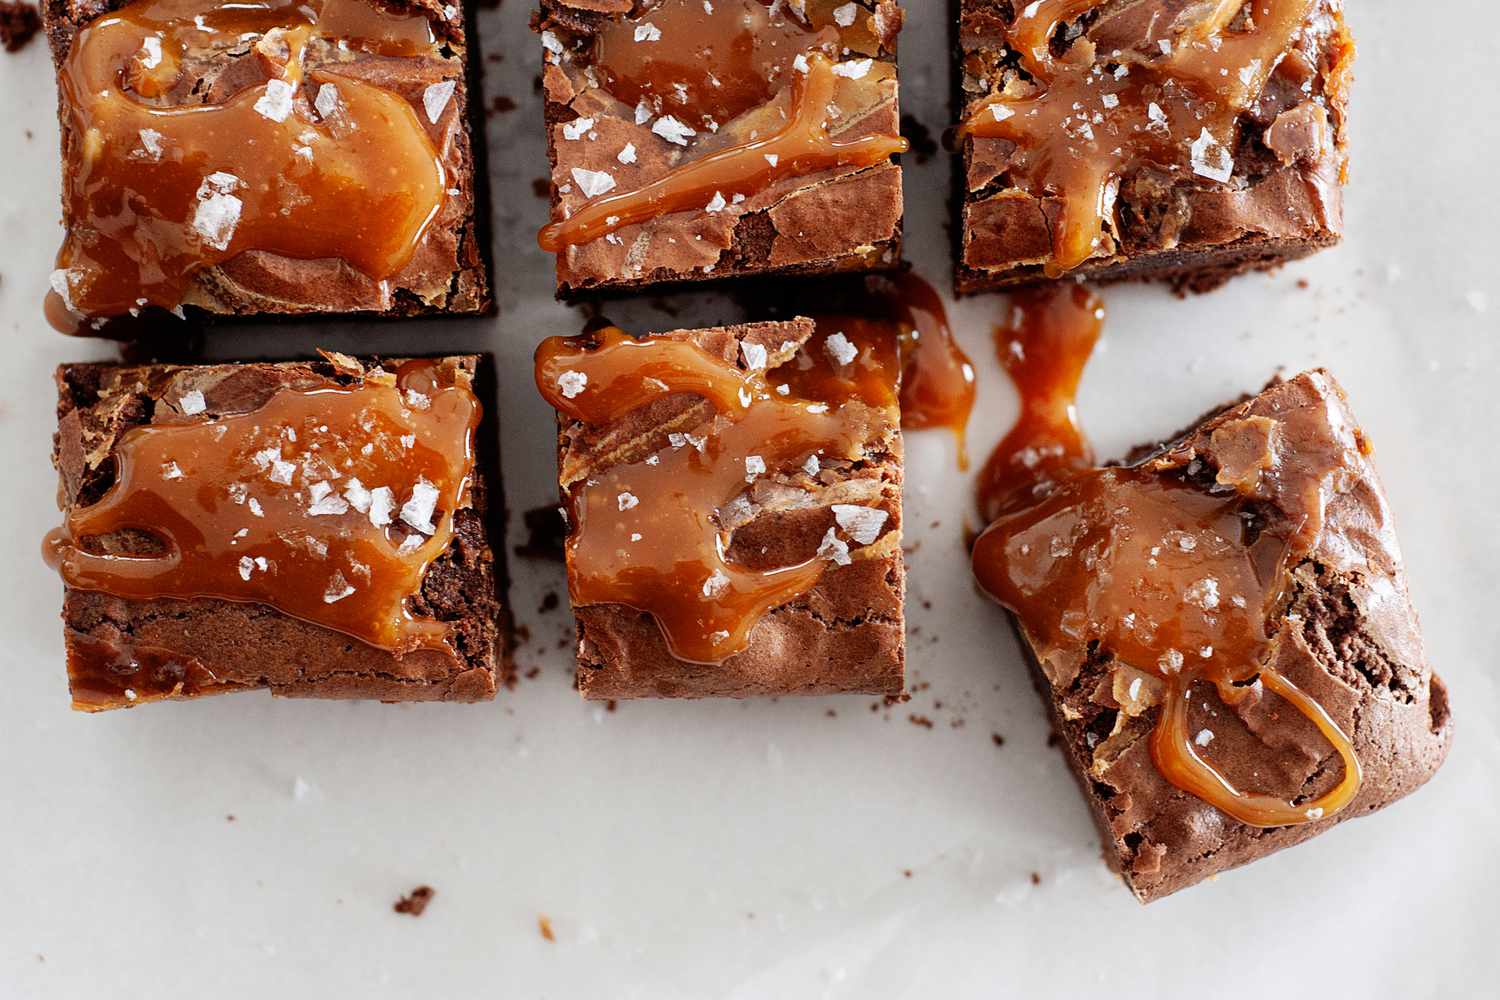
x=648, y=534
x=1043, y=345
x=327, y=503
x=285, y=153
x=803, y=146
x=937, y=379
x=1083, y=119
x=1170, y=579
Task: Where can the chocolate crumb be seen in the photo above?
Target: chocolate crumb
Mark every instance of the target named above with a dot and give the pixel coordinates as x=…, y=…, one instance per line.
x=1036, y=878
x=545, y=927
x=533, y=673
x=229, y=818
x=831, y=714
x=611, y=705
x=541, y=187
x=544, y=534
x=415, y=903
x=500, y=105
x=550, y=601
x=906, y=872
x=19, y=23
x=920, y=720
x=998, y=739
x=923, y=145
x=1053, y=740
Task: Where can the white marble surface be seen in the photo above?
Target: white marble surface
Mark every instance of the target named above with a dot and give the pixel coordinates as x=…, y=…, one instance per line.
x=758, y=850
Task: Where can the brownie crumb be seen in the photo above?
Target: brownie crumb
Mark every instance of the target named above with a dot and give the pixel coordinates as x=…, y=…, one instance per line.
x=229, y=818
x=19, y=22
x=831, y=714
x=542, y=188
x=923, y=145
x=550, y=601
x=545, y=532
x=906, y=872
x=533, y=673
x=1053, y=740
x=545, y=927
x=500, y=105
x=998, y=739
x=415, y=903
x=611, y=705
x=920, y=720
x=1036, y=878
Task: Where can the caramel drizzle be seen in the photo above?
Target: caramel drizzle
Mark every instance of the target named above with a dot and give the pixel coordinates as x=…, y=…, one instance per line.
x=645, y=534
x=1122, y=558
x=1044, y=346
x=156, y=193
x=278, y=506
x=937, y=378
x=803, y=147
x=1080, y=128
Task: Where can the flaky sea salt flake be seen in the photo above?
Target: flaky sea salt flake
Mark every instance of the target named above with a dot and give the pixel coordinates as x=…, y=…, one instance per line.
x=436, y=97
x=592, y=183
x=860, y=523
x=276, y=102
x=417, y=511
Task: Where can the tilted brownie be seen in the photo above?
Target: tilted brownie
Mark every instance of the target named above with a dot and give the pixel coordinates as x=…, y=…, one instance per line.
x=734, y=505
x=320, y=529
x=280, y=159
x=693, y=141
x=1223, y=636
x=1159, y=139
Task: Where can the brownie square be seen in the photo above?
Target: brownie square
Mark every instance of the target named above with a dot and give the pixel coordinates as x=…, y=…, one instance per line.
x=1194, y=218
x=128, y=650
x=845, y=634
x=847, y=218
x=1343, y=631
x=447, y=272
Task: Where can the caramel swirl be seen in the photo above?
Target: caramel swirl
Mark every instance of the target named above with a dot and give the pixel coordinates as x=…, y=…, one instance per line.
x=289, y=151
x=647, y=534
x=1086, y=118
x=1166, y=578
x=803, y=146
x=327, y=503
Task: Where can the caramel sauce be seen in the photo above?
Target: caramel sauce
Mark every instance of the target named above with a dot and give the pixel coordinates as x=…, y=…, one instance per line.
x=327, y=503
x=1043, y=345
x=937, y=379
x=1088, y=117
x=704, y=63
x=803, y=146
x=647, y=534
x=1172, y=580
x=305, y=163
x=103, y=675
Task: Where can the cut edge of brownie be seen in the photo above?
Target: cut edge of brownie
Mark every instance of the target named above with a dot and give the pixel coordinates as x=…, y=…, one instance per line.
x=471, y=284
x=1340, y=635
x=845, y=635
x=467, y=586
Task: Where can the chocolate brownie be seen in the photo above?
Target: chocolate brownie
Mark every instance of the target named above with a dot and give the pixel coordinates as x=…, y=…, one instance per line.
x=1147, y=139
x=834, y=514
x=334, y=97
x=643, y=95
x=1294, y=469
x=161, y=599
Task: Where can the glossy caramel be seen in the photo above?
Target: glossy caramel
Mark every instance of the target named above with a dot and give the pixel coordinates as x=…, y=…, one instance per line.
x=1087, y=118
x=803, y=146
x=1043, y=345
x=161, y=183
x=312, y=504
x=647, y=534
x=1170, y=579
x=937, y=378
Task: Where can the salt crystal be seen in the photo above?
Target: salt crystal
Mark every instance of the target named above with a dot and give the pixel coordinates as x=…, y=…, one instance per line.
x=844, y=16
x=417, y=511
x=338, y=588
x=628, y=501
x=325, y=501
x=150, y=144
x=642, y=112
x=1109, y=100
x=593, y=183
x=715, y=584
x=416, y=400
x=647, y=32
x=247, y=566
x=382, y=506
x=772, y=159
x=192, y=402
x=61, y=281
x=218, y=211
x=409, y=544
x=327, y=101
x=436, y=97
x=1000, y=112
x=276, y=102
x=717, y=203
x=1204, y=593
x=754, y=466
x=575, y=129
x=840, y=348
x=551, y=44
x=255, y=508
x=1204, y=738
x=171, y=471
x=755, y=356
x=627, y=155
x=571, y=383
x=357, y=495
x=799, y=63
x=1170, y=661
x=834, y=548
x=862, y=524
x=672, y=130
x=1210, y=159
x=151, y=46
x=853, y=69
x=812, y=466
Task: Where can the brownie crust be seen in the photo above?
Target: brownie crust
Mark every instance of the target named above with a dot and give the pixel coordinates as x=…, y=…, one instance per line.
x=450, y=271
x=255, y=646
x=842, y=220
x=845, y=635
x=1279, y=205
x=1345, y=633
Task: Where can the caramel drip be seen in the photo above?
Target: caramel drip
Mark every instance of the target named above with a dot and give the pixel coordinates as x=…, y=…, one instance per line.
x=1089, y=118
x=803, y=147
x=103, y=675
x=1044, y=345
x=327, y=503
x=937, y=379
x=647, y=534
x=1166, y=578
x=705, y=64
x=303, y=162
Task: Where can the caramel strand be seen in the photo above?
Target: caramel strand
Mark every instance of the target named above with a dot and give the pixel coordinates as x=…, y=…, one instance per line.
x=1086, y=118
x=327, y=503
x=646, y=534
x=1167, y=578
x=937, y=378
x=307, y=163
x=803, y=147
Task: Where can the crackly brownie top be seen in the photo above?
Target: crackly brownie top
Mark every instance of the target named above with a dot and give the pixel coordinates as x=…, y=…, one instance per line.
x=1103, y=113
x=253, y=147
x=691, y=457
x=674, y=120
x=325, y=491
